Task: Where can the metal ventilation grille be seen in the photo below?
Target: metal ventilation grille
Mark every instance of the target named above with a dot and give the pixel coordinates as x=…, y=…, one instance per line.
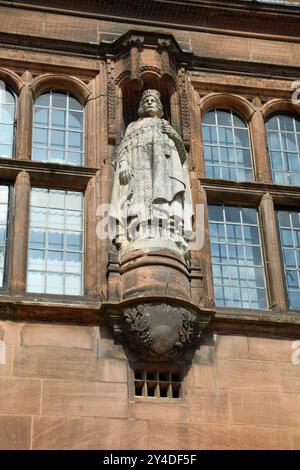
x=158, y=383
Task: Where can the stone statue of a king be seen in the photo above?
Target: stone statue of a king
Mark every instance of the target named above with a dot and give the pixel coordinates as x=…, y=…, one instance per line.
x=151, y=197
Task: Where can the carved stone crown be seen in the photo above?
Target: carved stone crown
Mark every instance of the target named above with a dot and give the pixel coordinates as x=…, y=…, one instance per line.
x=151, y=92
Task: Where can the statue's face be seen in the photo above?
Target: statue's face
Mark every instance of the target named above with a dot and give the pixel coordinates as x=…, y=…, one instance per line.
x=150, y=106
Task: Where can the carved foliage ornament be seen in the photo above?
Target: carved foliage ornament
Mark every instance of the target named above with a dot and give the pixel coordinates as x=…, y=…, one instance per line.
x=184, y=105
x=159, y=331
x=111, y=97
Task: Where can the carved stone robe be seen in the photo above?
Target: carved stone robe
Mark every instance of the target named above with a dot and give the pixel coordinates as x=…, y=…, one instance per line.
x=159, y=184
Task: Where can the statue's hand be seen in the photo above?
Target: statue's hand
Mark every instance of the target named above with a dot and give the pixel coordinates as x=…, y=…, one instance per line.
x=124, y=174
x=168, y=129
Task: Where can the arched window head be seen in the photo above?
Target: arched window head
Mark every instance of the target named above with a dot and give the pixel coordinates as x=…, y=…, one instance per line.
x=58, y=135
x=7, y=121
x=227, y=151
x=283, y=134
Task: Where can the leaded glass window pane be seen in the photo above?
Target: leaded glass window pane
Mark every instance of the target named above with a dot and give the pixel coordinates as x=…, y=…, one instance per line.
x=7, y=122
x=4, y=194
x=227, y=151
x=283, y=134
x=238, y=268
x=58, y=125
x=289, y=227
x=56, y=250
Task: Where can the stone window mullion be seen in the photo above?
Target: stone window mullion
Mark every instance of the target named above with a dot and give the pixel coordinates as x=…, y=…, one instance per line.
x=20, y=234
x=24, y=124
x=259, y=147
x=274, y=266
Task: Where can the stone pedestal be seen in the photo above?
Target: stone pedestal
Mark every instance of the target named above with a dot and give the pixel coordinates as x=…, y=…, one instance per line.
x=154, y=273
x=153, y=314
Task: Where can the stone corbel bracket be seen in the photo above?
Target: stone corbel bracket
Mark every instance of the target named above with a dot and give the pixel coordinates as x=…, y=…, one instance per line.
x=158, y=330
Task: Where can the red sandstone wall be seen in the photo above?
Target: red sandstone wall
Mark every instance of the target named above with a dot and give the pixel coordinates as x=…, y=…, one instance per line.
x=64, y=387
x=212, y=45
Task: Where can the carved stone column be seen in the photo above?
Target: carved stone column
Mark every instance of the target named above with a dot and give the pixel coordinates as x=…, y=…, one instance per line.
x=164, y=50
x=257, y=126
x=20, y=233
x=24, y=126
x=273, y=260
x=91, y=267
x=135, y=43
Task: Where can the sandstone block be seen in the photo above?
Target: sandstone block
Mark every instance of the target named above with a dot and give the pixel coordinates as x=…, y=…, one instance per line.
x=165, y=435
x=55, y=363
x=267, y=349
x=112, y=370
x=19, y=396
x=85, y=399
x=169, y=410
x=52, y=433
x=15, y=432
x=11, y=332
x=247, y=375
x=59, y=336
x=229, y=437
x=202, y=376
x=265, y=408
x=6, y=360
x=229, y=346
x=208, y=406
